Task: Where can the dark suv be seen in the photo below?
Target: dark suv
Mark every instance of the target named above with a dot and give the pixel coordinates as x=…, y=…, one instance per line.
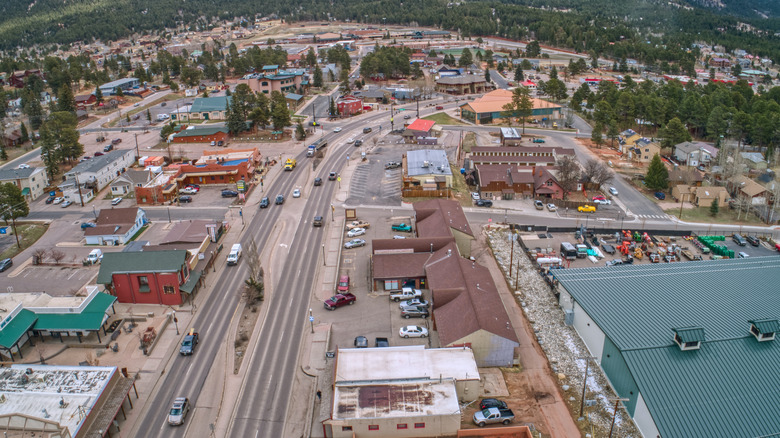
x=318, y=181
x=366, y=130
x=279, y=199
x=264, y=202
x=753, y=240
x=414, y=312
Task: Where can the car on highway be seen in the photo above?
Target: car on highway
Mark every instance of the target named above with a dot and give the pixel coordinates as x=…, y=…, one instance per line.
x=361, y=342
x=297, y=193
x=66, y=204
x=401, y=227
x=279, y=200
x=5, y=264
x=179, y=411
x=414, y=312
x=58, y=200
x=116, y=201
x=366, y=130
x=586, y=208
x=413, y=331
x=185, y=198
x=660, y=196
x=354, y=243
x=189, y=343
x=551, y=207
x=407, y=117
x=484, y=203
x=332, y=176
x=23, y=166
x=358, y=142
x=337, y=129
x=229, y=193
x=265, y=202
x=356, y=232
x=350, y=140
x=439, y=107
x=317, y=222
x=318, y=181
x=613, y=191
x=414, y=302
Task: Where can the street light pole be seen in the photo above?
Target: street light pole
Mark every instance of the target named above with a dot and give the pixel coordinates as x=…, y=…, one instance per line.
x=323, y=255
x=311, y=321
x=175, y=322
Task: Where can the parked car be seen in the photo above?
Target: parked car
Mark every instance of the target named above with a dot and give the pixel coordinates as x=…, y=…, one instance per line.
x=220, y=143
x=108, y=147
x=361, y=342
x=356, y=232
x=229, y=193
x=50, y=199
x=586, y=208
x=739, y=240
x=406, y=293
x=602, y=201
x=5, y=264
x=279, y=200
x=354, y=243
x=392, y=165
x=484, y=203
x=358, y=224
x=551, y=207
x=414, y=302
x=414, y=312
x=487, y=403
x=439, y=107
x=339, y=300
x=58, y=200
x=401, y=227
x=185, y=198
x=265, y=202
x=66, y=204
x=97, y=154
x=539, y=205
x=753, y=240
x=85, y=225
x=381, y=343
x=179, y=410
x=613, y=191
x=297, y=193
x=538, y=140
x=475, y=196
x=413, y=331
x=116, y=141
x=599, y=198
x=116, y=201
x=742, y=255
x=318, y=181
x=493, y=415
x=660, y=195
x=188, y=191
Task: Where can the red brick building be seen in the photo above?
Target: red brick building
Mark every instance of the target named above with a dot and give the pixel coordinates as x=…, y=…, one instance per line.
x=201, y=134
x=148, y=277
x=349, y=106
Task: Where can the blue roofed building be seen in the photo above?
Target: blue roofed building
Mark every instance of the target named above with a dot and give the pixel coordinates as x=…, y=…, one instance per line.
x=692, y=346
x=125, y=84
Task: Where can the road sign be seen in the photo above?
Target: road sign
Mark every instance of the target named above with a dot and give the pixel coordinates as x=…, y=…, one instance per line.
x=311, y=319
x=339, y=179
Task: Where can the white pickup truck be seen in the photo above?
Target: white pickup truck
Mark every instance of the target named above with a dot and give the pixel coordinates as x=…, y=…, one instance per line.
x=406, y=293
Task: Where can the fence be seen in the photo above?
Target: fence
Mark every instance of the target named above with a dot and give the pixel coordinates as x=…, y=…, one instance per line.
x=419, y=193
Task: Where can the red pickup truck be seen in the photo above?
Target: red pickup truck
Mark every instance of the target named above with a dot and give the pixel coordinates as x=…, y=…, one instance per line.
x=339, y=300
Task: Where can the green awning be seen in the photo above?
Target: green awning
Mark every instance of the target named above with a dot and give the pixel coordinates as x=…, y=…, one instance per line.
x=11, y=331
x=90, y=319
x=192, y=283
x=26, y=191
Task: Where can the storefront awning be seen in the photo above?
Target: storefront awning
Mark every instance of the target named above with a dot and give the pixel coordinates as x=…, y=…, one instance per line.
x=192, y=283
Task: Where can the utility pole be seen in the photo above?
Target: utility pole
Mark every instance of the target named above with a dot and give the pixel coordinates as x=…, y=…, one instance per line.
x=512, y=251
x=78, y=186
x=614, y=414
x=137, y=153
x=584, y=382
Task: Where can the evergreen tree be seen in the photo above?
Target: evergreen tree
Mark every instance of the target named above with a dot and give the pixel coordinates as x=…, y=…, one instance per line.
x=466, y=58
x=235, y=120
x=519, y=77
x=25, y=135
x=280, y=115
x=714, y=207
x=148, y=115
x=595, y=135
x=487, y=76
x=13, y=205
x=657, y=177
x=166, y=131
x=317, y=76
x=521, y=105
x=674, y=133
x=300, y=132
x=613, y=131
x=332, y=108
x=3, y=153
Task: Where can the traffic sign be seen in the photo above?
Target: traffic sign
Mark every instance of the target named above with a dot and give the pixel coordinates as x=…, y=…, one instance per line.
x=311, y=319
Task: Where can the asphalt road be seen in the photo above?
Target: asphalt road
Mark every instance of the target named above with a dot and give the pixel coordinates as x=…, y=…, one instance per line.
x=498, y=80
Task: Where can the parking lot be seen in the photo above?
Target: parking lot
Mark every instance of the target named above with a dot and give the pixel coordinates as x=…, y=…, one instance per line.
x=374, y=314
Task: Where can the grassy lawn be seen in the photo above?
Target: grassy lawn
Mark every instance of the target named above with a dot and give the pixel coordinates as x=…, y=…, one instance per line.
x=28, y=235
x=141, y=231
x=460, y=190
x=725, y=216
x=443, y=119
x=17, y=151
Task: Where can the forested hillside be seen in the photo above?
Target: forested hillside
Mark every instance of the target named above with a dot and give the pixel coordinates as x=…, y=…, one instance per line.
x=649, y=30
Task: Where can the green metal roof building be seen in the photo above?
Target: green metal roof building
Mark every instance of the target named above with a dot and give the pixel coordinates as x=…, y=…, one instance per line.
x=693, y=346
x=38, y=314
x=209, y=108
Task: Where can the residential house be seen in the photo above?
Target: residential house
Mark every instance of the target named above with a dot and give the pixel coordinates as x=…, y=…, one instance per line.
x=744, y=187
x=427, y=172
x=694, y=153
x=721, y=63
x=98, y=172
x=18, y=78
x=682, y=193
x=127, y=182
x=201, y=134
x=116, y=226
x=754, y=160
x=419, y=131
x=13, y=138
x=504, y=181
x=85, y=101
x=490, y=108
x=704, y=196
x=691, y=177
x=458, y=85
x=147, y=277
x=644, y=150
x=32, y=181
x=546, y=185
x=628, y=137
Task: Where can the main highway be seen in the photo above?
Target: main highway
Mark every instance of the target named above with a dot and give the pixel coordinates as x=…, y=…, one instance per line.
x=266, y=392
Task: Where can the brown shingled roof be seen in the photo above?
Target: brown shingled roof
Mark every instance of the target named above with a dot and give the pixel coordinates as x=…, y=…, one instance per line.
x=450, y=213
x=417, y=244
x=109, y=219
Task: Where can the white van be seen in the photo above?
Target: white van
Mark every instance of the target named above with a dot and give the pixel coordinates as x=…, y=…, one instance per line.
x=162, y=117
x=235, y=254
x=95, y=256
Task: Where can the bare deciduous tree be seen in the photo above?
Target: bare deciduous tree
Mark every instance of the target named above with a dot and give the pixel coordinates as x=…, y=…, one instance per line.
x=56, y=255
x=569, y=172
x=598, y=173
x=40, y=254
